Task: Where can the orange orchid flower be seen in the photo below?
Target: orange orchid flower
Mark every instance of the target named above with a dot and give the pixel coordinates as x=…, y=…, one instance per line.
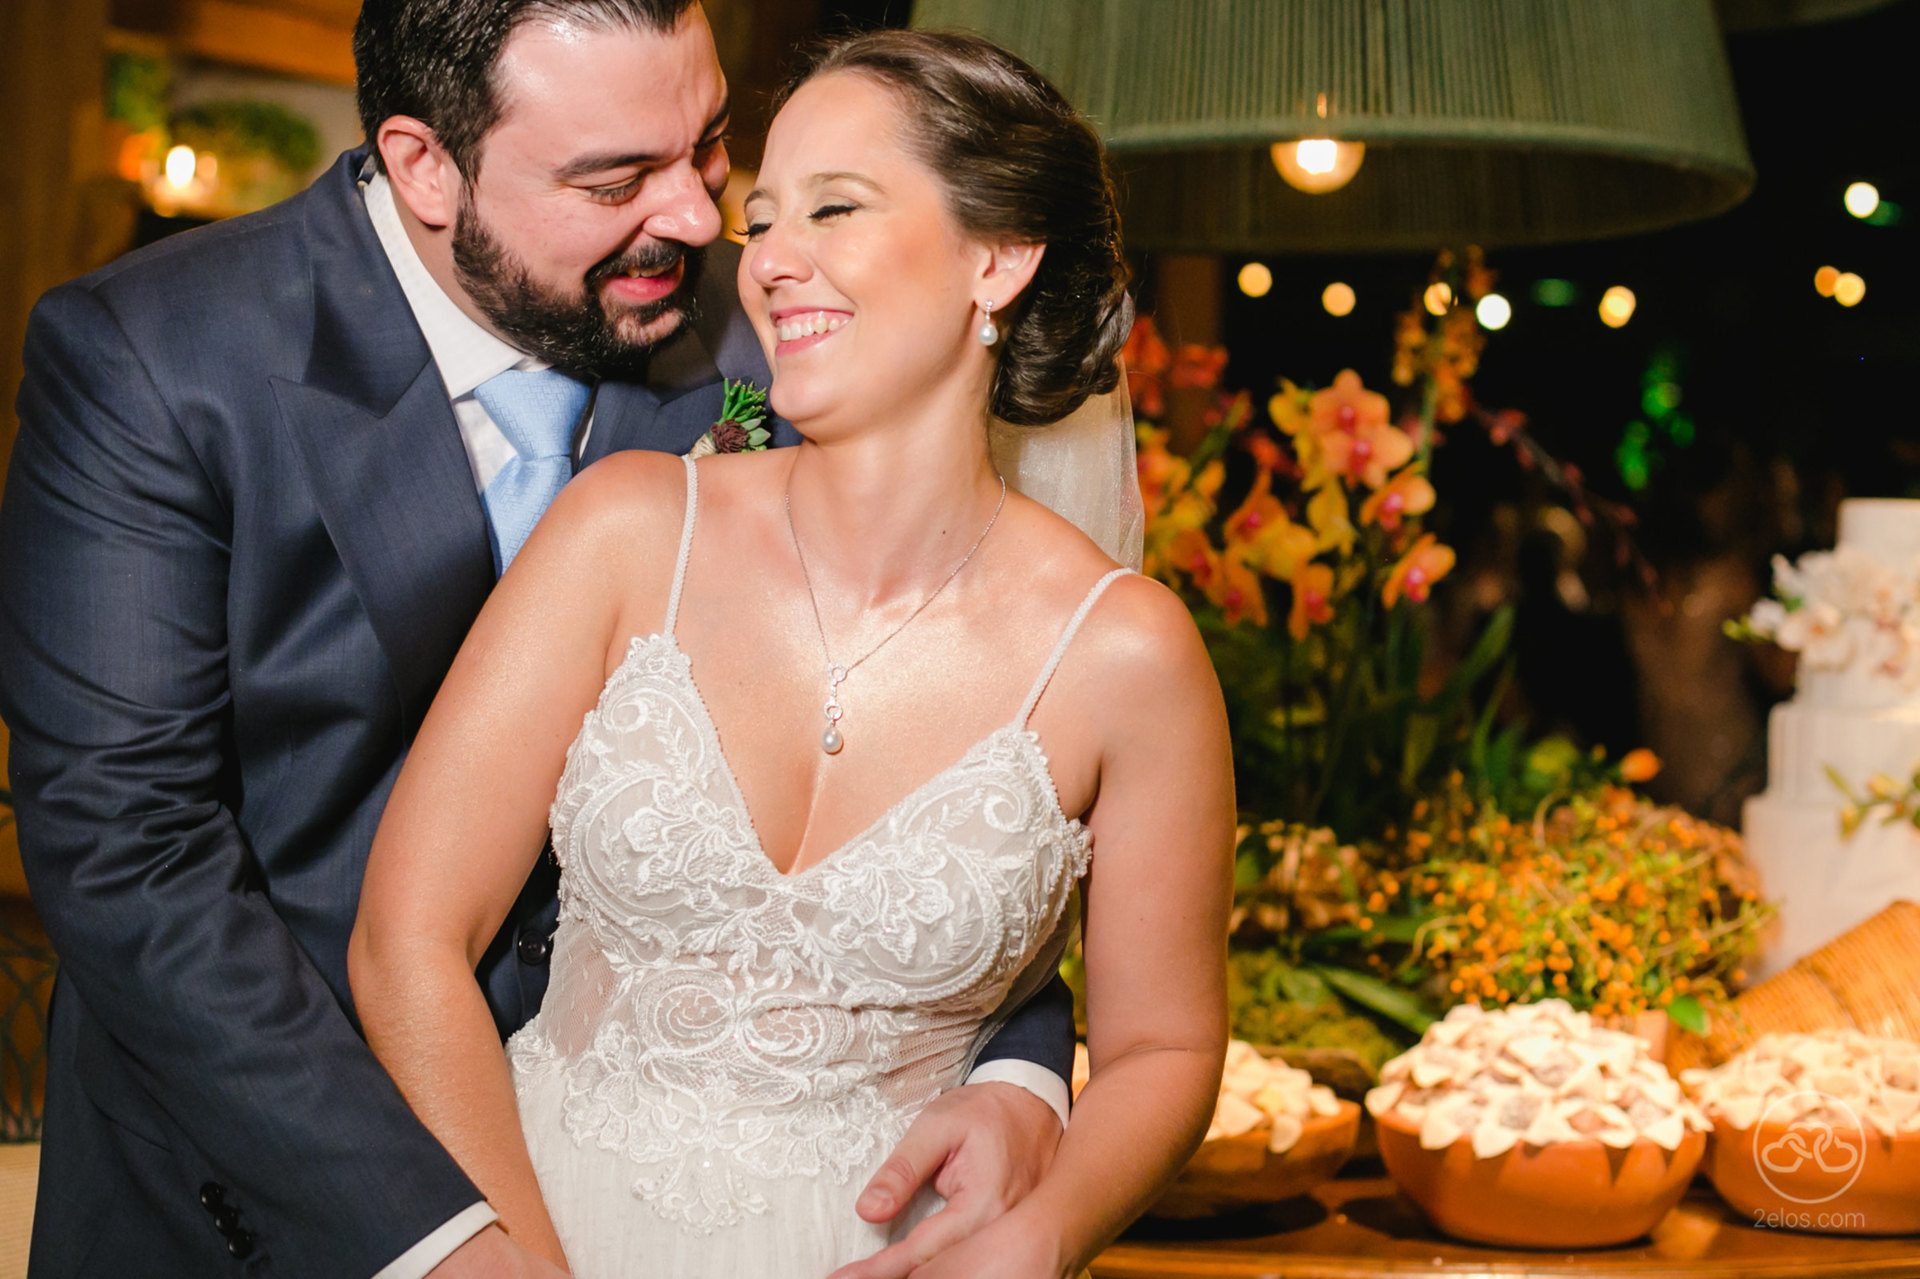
x=1312, y=599
x=1147, y=358
x=1426, y=563
x=1368, y=455
x=1408, y=493
x=1197, y=367
x=1236, y=589
x=1346, y=406
x=1260, y=510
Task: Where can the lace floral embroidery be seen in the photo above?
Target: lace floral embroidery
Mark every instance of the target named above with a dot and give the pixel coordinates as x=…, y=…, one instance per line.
x=717, y=1024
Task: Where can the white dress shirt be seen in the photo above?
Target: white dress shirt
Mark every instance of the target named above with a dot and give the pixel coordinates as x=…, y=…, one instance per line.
x=467, y=355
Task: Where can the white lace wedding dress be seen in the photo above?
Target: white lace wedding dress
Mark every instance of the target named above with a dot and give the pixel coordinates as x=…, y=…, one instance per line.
x=727, y=1053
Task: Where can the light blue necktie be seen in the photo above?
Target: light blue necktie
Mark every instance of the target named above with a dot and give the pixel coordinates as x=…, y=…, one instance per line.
x=536, y=411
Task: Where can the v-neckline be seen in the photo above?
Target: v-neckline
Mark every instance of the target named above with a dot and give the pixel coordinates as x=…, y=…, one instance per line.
x=1050, y=792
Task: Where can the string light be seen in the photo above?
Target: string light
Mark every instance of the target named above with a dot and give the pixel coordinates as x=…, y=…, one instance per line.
x=1861, y=199
x=1438, y=297
x=1338, y=299
x=1617, y=305
x=1849, y=289
x=1493, y=312
x=1825, y=279
x=1256, y=280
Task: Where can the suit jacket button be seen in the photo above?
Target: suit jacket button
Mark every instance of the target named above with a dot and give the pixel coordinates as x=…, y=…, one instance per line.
x=240, y=1245
x=212, y=1195
x=534, y=949
x=226, y=1219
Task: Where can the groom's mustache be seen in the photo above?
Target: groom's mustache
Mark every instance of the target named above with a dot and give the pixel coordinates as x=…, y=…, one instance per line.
x=655, y=257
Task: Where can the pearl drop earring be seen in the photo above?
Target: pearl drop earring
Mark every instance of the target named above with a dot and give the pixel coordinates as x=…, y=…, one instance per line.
x=989, y=332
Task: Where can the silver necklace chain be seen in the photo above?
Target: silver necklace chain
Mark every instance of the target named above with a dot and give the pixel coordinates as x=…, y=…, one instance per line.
x=831, y=740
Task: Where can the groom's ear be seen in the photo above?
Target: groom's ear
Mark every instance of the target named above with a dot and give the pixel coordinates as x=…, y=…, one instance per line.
x=1006, y=271
x=423, y=175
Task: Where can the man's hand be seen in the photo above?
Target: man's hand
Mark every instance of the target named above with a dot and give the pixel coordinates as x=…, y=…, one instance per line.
x=491, y=1255
x=983, y=1148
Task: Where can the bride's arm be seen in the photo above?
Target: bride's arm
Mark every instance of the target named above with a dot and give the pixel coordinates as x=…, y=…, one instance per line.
x=468, y=815
x=1157, y=901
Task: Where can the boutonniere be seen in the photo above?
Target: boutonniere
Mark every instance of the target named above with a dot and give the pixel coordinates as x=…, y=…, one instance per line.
x=742, y=426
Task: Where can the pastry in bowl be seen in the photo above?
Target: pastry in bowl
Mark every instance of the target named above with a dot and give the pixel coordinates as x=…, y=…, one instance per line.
x=1275, y=1134
x=1532, y=1127
x=1817, y=1131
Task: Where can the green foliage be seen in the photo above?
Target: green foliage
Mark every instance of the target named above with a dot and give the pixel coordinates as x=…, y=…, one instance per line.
x=136, y=90
x=235, y=129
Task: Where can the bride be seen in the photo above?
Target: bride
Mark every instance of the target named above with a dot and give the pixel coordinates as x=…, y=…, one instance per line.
x=835, y=733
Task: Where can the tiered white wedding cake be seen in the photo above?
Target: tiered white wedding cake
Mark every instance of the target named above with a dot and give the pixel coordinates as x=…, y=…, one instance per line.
x=1853, y=615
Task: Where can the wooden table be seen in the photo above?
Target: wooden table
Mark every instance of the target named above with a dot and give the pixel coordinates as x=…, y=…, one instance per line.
x=1361, y=1227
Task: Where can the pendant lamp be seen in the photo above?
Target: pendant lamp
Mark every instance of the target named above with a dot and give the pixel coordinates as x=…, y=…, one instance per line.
x=1495, y=122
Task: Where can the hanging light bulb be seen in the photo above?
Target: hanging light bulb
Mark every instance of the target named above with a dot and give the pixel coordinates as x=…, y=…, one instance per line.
x=1318, y=165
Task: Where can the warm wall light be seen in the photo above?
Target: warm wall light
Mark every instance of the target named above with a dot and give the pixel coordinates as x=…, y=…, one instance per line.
x=1338, y=298
x=1318, y=165
x=1849, y=289
x=1862, y=198
x=1825, y=279
x=181, y=164
x=1256, y=280
x=1493, y=312
x=1438, y=298
x=1616, y=306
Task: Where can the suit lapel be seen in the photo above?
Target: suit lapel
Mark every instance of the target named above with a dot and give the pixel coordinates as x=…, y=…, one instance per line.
x=381, y=450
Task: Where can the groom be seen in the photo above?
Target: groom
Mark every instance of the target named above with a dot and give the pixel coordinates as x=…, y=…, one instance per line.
x=266, y=476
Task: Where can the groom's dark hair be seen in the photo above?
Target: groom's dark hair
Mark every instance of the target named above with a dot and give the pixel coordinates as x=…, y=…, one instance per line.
x=435, y=60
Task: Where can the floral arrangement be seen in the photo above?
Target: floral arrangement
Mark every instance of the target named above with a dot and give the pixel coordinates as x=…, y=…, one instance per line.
x=1382, y=876
x=1842, y=608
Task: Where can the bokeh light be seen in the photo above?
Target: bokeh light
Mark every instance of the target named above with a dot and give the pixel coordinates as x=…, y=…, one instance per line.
x=1256, y=281
x=1862, y=198
x=1493, y=312
x=1617, y=305
x=1824, y=279
x=1338, y=298
x=1849, y=289
x=1439, y=297
x=180, y=165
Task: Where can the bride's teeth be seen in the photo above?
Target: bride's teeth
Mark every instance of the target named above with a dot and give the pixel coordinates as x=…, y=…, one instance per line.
x=809, y=326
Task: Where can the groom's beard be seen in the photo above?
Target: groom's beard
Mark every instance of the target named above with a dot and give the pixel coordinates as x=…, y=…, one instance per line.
x=574, y=332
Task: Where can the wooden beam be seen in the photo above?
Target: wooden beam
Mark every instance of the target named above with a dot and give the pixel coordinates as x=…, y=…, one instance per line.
x=269, y=39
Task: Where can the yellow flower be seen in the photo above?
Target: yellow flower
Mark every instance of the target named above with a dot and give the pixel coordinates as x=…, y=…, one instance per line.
x=1331, y=518
x=1417, y=571
x=1408, y=493
x=1236, y=589
x=1312, y=599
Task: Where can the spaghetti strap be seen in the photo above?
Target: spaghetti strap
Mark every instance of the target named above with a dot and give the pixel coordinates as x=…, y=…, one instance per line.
x=686, y=545
x=1066, y=638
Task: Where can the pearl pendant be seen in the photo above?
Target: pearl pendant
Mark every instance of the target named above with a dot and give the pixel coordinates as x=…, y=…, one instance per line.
x=831, y=741
x=989, y=333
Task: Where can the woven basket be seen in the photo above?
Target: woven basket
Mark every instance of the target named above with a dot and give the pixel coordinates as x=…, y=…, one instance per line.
x=1866, y=979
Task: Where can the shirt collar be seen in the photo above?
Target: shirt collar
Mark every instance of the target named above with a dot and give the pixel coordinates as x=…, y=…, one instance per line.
x=466, y=353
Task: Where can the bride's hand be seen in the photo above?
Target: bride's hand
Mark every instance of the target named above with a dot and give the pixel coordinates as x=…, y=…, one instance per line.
x=1011, y=1248
x=983, y=1148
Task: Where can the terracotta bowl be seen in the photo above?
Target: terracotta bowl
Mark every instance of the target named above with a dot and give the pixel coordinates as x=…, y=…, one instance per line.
x=1232, y=1173
x=1795, y=1192
x=1572, y=1194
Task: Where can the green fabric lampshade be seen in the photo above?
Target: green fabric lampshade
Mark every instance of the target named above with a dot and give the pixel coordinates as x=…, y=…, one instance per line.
x=1496, y=122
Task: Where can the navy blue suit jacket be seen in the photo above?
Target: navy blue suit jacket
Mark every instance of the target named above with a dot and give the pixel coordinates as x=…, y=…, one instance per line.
x=239, y=547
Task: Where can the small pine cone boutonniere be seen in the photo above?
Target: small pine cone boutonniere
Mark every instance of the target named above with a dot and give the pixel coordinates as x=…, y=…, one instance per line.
x=742, y=426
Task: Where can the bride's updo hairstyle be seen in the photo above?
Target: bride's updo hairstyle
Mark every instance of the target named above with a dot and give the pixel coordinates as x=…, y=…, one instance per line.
x=1020, y=167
